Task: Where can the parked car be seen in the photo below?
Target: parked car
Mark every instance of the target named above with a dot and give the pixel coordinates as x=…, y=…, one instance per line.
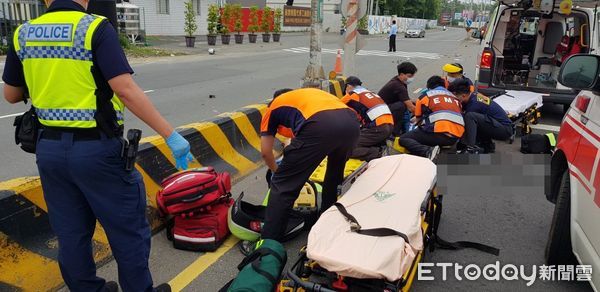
x=574, y=172
x=415, y=31
x=524, y=48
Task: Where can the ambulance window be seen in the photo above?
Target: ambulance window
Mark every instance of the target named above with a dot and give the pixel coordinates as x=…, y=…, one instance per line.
x=529, y=25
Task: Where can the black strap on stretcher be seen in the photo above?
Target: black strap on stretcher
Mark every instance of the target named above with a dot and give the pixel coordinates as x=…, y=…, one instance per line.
x=379, y=232
x=436, y=241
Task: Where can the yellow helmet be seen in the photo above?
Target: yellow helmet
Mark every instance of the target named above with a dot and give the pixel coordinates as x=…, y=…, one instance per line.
x=453, y=68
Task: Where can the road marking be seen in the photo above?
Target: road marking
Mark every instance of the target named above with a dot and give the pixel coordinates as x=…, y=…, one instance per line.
x=301, y=50
x=148, y=91
x=1, y=82
x=11, y=115
x=546, y=127
x=202, y=263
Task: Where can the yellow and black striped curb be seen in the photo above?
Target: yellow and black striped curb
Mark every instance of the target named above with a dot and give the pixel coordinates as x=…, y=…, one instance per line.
x=336, y=86
x=28, y=247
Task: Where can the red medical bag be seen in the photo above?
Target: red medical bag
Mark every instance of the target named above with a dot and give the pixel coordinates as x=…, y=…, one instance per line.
x=190, y=190
x=204, y=230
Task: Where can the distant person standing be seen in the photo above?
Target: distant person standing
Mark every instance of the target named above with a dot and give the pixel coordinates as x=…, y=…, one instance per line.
x=392, y=35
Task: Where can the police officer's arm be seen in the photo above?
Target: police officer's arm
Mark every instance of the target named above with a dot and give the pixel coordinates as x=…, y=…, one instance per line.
x=266, y=150
x=13, y=77
x=13, y=94
x=139, y=104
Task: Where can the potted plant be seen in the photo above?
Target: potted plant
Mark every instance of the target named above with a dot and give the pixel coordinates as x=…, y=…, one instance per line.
x=363, y=25
x=277, y=25
x=190, y=25
x=239, y=38
x=253, y=27
x=212, y=21
x=225, y=21
x=265, y=24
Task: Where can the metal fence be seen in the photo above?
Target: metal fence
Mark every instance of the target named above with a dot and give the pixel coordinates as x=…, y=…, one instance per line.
x=15, y=12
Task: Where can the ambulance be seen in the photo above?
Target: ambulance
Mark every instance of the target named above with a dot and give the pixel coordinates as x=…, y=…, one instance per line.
x=527, y=41
x=574, y=185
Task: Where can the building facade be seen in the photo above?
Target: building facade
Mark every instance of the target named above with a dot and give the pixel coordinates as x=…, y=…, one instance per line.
x=166, y=17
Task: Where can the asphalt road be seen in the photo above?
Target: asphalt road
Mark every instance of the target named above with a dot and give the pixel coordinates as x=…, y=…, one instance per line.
x=497, y=200
x=242, y=75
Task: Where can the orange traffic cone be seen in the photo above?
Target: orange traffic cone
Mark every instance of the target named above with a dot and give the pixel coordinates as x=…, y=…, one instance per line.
x=338, y=63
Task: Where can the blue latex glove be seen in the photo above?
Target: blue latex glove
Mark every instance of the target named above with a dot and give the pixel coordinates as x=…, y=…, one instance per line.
x=180, y=148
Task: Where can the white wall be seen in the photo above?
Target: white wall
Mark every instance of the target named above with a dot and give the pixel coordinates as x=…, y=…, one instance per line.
x=381, y=24
x=172, y=23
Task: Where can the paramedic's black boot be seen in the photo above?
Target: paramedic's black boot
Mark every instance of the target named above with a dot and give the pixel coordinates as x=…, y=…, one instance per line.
x=111, y=286
x=474, y=150
x=433, y=153
x=488, y=147
x=461, y=148
x=163, y=288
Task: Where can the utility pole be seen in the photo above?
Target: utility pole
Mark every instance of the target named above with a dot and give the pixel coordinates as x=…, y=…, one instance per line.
x=350, y=40
x=315, y=75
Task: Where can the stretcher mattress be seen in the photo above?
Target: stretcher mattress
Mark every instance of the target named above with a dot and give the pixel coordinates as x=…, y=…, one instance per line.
x=515, y=102
x=388, y=194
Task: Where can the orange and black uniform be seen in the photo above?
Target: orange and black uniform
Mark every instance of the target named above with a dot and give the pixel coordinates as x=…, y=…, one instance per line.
x=441, y=122
x=320, y=126
x=376, y=120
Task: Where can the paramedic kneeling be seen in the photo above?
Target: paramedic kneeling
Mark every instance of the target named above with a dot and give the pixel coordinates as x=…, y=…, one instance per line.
x=484, y=119
x=320, y=126
x=438, y=115
x=376, y=119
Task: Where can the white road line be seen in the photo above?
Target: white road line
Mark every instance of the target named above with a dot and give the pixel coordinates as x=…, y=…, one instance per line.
x=294, y=50
x=10, y=116
x=148, y=91
x=371, y=53
x=546, y=127
x=1, y=82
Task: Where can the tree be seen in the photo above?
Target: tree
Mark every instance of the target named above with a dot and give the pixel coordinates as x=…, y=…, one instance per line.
x=212, y=19
x=253, y=27
x=190, y=25
x=265, y=24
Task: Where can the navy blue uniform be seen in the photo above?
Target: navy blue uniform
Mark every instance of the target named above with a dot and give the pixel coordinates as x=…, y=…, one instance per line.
x=84, y=179
x=106, y=51
x=485, y=120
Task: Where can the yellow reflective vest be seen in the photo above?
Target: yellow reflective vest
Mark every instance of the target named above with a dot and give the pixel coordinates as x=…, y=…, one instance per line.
x=56, y=52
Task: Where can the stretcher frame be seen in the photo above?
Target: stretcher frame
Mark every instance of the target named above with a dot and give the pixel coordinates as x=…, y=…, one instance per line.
x=300, y=278
x=523, y=121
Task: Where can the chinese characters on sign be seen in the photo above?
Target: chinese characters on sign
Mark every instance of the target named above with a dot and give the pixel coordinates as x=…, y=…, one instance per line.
x=296, y=16
x=509, y=272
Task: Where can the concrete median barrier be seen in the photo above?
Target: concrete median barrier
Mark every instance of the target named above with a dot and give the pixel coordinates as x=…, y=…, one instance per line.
x=29, y=249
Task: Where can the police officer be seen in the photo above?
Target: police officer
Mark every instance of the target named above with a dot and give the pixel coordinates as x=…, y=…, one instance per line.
x=80, y=82
x=485, y=120
x=455, y=72
x=320, y=126
x=439, y=119
x=376, y=119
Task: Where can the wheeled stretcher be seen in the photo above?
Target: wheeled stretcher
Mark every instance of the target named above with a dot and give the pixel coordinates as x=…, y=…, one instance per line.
x=374, y=237
x=522, y=108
